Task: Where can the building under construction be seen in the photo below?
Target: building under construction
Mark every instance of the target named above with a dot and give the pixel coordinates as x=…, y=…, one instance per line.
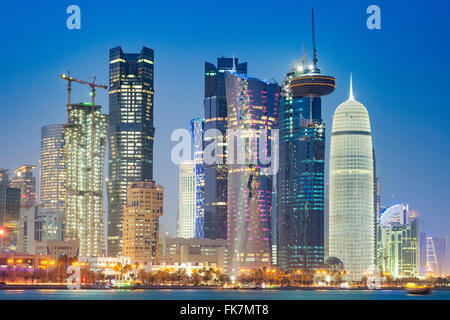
x=85, y=139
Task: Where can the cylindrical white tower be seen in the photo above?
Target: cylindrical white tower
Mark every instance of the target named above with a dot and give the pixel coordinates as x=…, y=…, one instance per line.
x=351, y=197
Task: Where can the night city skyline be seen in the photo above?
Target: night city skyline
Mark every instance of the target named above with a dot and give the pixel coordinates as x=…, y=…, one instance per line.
x=408, y=112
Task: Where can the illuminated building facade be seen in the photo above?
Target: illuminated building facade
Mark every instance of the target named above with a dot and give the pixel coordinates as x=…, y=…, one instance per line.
x=84, y=193
x=141, y=221
x=186, y=200
x=131, y=132
x=26, y=182
x=9, y=216
x=215, y=103
x=52, y=183
x=38, y=224
x=300, y=178
x=252, y=111
x=351, y=193
x=197, y=126
x=398, y=242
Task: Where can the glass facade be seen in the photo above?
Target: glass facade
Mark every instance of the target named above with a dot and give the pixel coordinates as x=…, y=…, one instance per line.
x=351, y=207
x=252, y=111
x=9, y=216
x=300, y=178
x=131, y=132
x=197, y=126
x=187, y=200
x=52, y=171
x=84, y=192
x=215, y=103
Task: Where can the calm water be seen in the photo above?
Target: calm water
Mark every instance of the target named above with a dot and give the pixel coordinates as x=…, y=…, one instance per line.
x=219, y=295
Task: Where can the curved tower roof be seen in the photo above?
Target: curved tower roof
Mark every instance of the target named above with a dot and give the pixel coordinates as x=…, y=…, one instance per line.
x=351, y=206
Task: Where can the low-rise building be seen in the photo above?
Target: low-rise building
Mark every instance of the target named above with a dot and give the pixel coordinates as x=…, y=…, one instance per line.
x=194, y=251
x=55, y=248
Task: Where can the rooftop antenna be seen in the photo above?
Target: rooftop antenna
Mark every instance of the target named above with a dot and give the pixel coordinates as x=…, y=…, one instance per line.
x=314, y=41
x=351, y=88
x=234, y=61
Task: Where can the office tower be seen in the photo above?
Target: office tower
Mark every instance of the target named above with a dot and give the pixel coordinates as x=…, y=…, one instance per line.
x=252, y=111
x=4, y=177
x=300, y=178
x=398, y=242
x=197, y=126
x=39, y=224
x=215, y=103
x=352, y=236
x=52, y=184
x=131, y=132
x=84, y=186
x=440, y=245
x=186, y=200
x=9, y=216
x=141, y=221
x=26, y=182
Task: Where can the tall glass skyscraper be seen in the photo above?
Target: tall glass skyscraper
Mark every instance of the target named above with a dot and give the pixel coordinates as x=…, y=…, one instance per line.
x=52, y=183
x=186, y=200
x=215, y=103
x=252, y=111
x=351, y=226
x=197, y=126
x=300, y=178
x=131, y=132
x=84, y=192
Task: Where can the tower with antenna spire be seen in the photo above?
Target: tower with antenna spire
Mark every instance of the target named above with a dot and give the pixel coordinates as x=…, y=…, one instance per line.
x=300, y=178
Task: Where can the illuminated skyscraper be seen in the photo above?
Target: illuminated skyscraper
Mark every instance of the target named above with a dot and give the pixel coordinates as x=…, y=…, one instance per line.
x=351, y=225
x=186, y=200
x=9, y=216
x=52, y=183
x=197, y=126
x=26, y=182
x=398, y=242
x=215, y=103
x=141, y=221
x=300, y=179
x=131, y=132
x=84, y=193
x=252, y=111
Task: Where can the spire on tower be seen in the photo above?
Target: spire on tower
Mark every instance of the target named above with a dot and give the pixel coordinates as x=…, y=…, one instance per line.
x=314, y=41
x=351, y=88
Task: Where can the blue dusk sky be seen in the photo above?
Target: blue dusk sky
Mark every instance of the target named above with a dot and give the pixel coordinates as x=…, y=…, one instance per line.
x=400, y=73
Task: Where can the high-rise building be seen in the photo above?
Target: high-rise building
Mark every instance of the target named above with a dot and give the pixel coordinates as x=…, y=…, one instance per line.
x=38, y=224
x=26, y=182
x=215, y=103
x=252, y=111
x=4, y=177
x=9, y=216
x=398, y=242
x=197, y=126
x=52, y=183
x=141, y=221
x=351, y=224
x=300, y=178
x=131, y=132
x=85, y=158
x=186, y=200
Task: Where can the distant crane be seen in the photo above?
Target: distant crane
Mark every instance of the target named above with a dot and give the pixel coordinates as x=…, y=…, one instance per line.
x=93, y=87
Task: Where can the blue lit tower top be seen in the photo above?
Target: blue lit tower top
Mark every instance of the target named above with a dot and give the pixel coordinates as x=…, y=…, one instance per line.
x=306, y=80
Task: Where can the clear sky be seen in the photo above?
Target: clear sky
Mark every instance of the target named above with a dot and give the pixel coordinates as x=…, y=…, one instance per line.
x=401, y=73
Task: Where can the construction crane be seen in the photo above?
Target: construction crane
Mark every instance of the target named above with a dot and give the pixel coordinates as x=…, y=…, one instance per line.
x=93, y=87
